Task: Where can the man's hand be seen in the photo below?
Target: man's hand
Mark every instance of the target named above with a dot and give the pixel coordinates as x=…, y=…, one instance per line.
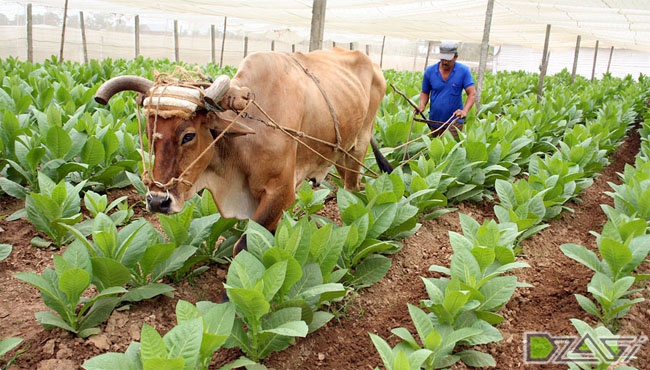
x=460, y=113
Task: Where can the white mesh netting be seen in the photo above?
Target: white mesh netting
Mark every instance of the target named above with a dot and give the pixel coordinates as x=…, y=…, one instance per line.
x=396, y=33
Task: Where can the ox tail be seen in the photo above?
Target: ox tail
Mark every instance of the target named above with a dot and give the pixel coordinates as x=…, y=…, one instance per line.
x=382, y=162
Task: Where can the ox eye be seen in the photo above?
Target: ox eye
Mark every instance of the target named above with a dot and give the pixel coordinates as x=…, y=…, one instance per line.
x=188, y=137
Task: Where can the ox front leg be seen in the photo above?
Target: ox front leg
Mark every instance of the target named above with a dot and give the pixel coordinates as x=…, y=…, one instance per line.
x=272, y=204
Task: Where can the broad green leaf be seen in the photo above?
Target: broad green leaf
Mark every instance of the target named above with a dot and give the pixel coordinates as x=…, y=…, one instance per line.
x=151, y=344
x=186, y=311
x=184, y=341
x=58, y=141
x=370, y=270
x=166, y=363
x=49, y=320
x=111, y=361
x=422, y=322
x=109, y=273
x=148, y=291
x=485, y=256
x=98, y=313
x=73, y=282
x=273, y=279
x=93, y=152
x=582, y=255
x=8, y=344
x=5, y=251
x=616, y=254
x=475, y=358
x=249, y=302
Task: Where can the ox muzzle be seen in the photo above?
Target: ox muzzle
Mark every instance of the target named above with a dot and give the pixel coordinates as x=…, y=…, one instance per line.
x=159, y=202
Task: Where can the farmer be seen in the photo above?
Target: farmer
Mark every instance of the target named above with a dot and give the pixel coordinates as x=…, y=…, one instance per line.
x=443, y=86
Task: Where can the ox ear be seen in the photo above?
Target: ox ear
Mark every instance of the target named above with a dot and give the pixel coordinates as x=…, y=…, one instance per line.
x=221, y=121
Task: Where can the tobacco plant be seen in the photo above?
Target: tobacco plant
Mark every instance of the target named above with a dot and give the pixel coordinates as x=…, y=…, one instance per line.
x=623, y=246
x=62, y=289
x=200, y=331
x=52, y=209
x=519, y=203
x=279, y=284
x=601, y=346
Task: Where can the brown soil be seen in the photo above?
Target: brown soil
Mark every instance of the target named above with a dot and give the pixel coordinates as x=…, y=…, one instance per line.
x=343, y=343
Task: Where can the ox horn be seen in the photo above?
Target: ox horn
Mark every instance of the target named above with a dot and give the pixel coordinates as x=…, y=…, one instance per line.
x=216, y=92
x=121, y=83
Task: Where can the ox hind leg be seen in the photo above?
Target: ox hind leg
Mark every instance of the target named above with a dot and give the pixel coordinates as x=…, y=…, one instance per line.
x=349, y=168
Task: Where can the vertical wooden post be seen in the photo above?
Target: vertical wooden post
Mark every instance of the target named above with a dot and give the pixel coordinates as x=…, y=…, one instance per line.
x=609, y=63
x=136, y=36
x=65, y=17
x=317, y=24
x=30, y=40
x=351, y=45
x=542, y=68
x=245, y=46
x=593, y=69
x=293, y=48
x=575, y=60
x=212, y=46
x=368, y=49
x=223, y=41
x=485, y=46
x=272, y=45
x=381, y=58
x=426, y=60
x=83, y=36
x=176, y=47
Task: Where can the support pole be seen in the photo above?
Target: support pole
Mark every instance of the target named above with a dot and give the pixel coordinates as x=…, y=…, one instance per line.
x=212, y=46
x=609, y=63
x=485, y=46
x=245, y=46
x=30, y=40
x=176, y=48
x=136, y=36
x=65, y=17
x=575, y=60
x=593, y=69
x=223, y=41
x=381, y=58
x=317, y=24
x=542, y=68
x=83, y=36
x=426, y=60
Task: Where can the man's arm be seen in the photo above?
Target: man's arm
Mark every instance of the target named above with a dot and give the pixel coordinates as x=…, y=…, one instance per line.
x=469, y=103
x=424, y=99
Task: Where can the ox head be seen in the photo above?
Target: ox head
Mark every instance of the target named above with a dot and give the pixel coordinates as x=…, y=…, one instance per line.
x=182, y=124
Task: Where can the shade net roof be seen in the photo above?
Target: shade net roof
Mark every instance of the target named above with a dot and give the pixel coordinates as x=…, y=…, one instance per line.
x=622, y=24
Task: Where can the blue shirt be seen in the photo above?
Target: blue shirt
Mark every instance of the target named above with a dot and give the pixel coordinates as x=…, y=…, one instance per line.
x=445, y=96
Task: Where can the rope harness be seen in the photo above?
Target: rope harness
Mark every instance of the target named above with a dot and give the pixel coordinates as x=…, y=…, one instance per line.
x=165, y=87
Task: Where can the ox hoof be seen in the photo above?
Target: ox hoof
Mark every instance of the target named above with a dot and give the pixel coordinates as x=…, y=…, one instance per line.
x=241, y=245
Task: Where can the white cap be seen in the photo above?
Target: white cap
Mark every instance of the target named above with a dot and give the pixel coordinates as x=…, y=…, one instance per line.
x=448, y=49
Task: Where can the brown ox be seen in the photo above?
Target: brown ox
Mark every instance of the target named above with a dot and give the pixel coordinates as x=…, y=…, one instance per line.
x=254, y=169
